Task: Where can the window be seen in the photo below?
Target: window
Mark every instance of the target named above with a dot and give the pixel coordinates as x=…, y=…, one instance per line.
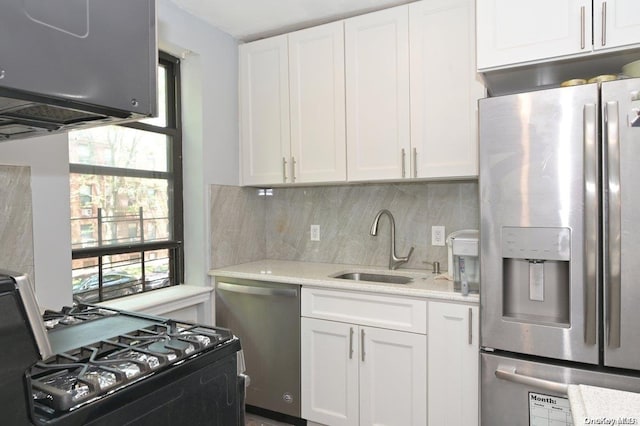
x=84, y=192
x=126, y=200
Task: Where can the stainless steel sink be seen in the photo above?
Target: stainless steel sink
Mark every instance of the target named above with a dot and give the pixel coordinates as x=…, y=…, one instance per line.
x=379, y=278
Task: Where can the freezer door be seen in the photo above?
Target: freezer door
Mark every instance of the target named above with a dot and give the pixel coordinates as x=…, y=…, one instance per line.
x=516, y=392
x=621, y=151
x=539, y=223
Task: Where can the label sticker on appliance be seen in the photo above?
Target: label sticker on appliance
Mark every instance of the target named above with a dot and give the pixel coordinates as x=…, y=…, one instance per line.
x=549, y=410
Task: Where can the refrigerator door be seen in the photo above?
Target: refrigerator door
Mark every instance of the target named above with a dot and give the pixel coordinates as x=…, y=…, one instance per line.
x=621, y=151
x=517, y=392
x=539, y=223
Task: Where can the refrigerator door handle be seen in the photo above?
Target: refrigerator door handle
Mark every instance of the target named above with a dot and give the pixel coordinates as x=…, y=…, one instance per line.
x=591, y=200
x=510, y=374
x=614, y=231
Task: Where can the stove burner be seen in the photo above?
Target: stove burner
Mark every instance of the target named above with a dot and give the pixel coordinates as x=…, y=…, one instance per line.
x=199, y=338
x=104, y=379
x=68, y=382
x=128, y=368
x=138, y=357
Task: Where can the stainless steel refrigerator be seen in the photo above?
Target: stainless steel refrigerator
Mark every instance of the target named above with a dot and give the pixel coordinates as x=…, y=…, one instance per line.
x=560, y=248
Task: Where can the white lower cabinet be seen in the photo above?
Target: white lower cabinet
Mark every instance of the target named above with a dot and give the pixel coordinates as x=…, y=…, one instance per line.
x=356, y=374
x=393, y=374
x=329, y=372
x=453, y=364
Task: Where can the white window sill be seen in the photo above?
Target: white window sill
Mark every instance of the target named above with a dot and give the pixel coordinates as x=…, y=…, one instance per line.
x=158, y=302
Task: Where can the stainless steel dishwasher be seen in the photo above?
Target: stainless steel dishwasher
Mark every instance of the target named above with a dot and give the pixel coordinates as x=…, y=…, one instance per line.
x=266, y=317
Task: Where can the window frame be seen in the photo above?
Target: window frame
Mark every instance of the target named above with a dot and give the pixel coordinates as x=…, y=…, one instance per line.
x=174, y=178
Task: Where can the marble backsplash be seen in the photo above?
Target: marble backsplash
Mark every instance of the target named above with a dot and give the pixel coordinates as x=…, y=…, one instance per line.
x=237, y=225
x=246, y=226
x=16, y=220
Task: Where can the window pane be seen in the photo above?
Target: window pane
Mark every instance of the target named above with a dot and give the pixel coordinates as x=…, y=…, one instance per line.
x=161, y=119
x=121, y=275
x=120, y=210
x=156, y=269
x=116, y=146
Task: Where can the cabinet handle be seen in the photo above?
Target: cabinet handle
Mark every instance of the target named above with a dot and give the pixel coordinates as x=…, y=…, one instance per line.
x=362, y=344
x=470, y=326
x=604, y=23
x=415, y=162
x=284, y=170
x=582, y=35
x=293, y=169
x=350, y=342
x=403, y=161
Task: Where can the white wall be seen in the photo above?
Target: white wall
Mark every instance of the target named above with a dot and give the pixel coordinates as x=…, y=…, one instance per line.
x=210, y=122
x=209, y=83
x=48, y=158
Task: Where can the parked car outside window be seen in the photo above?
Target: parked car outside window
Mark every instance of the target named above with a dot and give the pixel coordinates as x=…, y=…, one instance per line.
x=114, y=284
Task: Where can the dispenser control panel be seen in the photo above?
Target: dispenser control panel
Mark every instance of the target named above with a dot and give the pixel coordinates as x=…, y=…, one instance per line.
x=536, y=243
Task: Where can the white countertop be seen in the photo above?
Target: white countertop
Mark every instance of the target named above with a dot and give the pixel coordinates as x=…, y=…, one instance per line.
x=424, y=284
x=592, y=405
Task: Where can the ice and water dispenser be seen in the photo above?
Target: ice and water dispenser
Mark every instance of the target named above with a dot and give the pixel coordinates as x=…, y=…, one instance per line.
x=535, y=275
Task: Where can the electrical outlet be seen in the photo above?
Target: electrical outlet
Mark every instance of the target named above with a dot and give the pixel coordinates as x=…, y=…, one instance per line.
x=315, y=232
x=437, y=235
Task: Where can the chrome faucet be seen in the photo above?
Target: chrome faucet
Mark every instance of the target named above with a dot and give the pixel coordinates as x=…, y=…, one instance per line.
x=394, y=261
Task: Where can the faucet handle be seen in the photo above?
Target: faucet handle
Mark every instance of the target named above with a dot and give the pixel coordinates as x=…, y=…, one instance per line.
x=409, y=255
x=395, y=261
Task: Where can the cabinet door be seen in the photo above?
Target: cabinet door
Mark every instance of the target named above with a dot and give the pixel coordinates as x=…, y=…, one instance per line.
x=453, y=364
x=615, y=23
x=377, y=84
x=514, y=31
x=393, y=378
x=264, y=111
x=316, y=75
x=444, y=89
x=329, y=372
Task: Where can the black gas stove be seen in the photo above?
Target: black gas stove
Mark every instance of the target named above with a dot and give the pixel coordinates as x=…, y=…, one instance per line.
x=110, y=367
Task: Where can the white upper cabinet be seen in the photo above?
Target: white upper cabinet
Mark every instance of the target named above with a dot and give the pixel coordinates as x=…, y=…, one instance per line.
x=377, y=85
x=616, y=23
x=444, y=89
x=264, y=111
x=316, y=78
x=513, y=31
x=519, y=31
x=375, y=97
x=292, y=118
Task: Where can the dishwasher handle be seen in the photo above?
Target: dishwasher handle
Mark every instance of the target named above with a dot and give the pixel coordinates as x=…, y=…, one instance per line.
x=258, y=290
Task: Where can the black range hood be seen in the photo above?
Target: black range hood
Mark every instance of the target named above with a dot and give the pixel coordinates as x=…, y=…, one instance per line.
x=66, y=64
